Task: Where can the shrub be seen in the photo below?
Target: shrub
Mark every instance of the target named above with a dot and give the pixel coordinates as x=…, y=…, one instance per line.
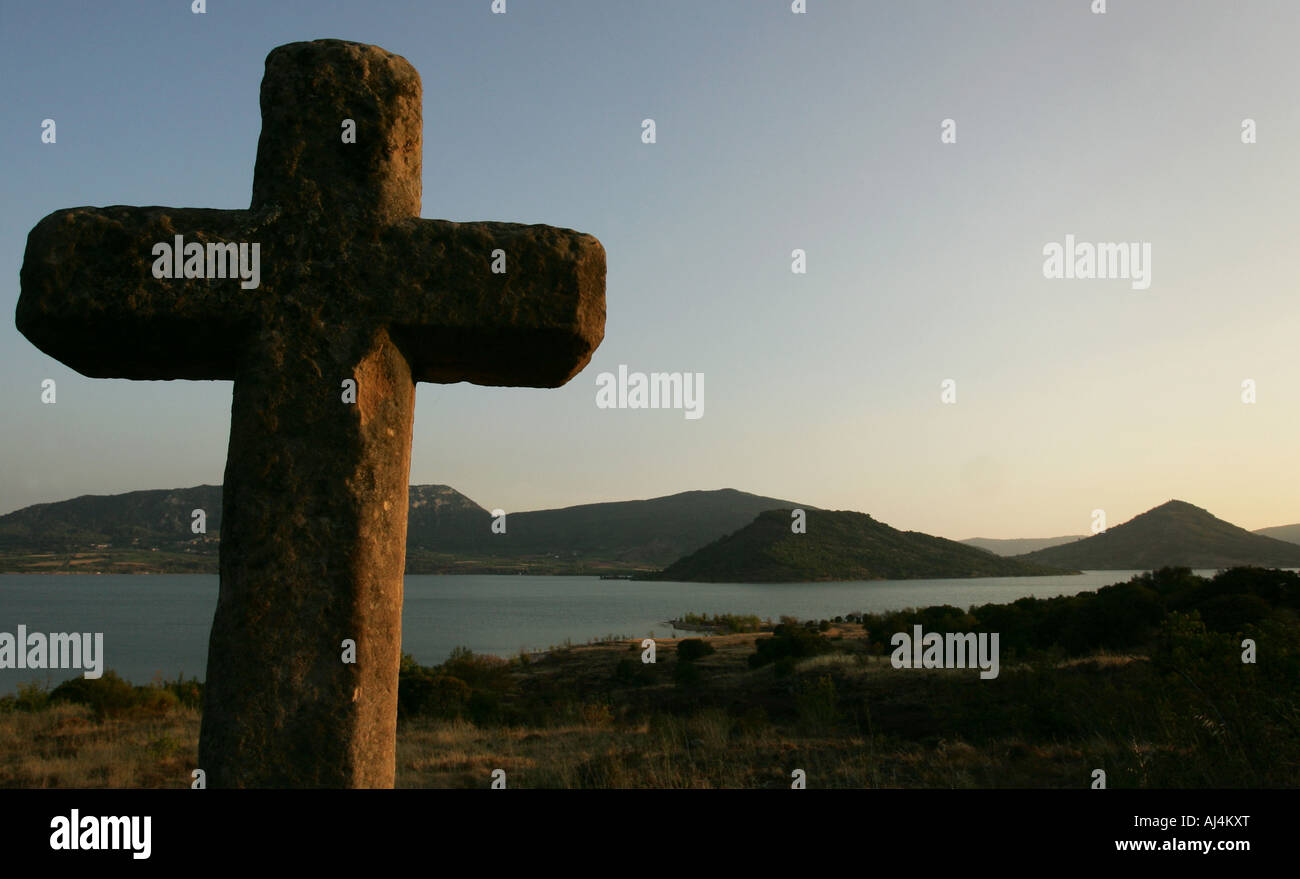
x=431, y=695
x=479, y=671
x=1232, y=613
x=692, y=649
x=106, y=696
x=156, y=700
x=188, y=693
x=727, y=623
x=788, y=640
x=30, y=697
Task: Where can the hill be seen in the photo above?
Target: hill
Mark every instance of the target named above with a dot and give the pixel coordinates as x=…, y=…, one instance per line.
x=162, y=518
x=1017, y=545
x=1289, y=533
x=446, y=532
x=155, y=518
x=838, y=545
x=441, y=519
x=642, y=533
x=1175, y=533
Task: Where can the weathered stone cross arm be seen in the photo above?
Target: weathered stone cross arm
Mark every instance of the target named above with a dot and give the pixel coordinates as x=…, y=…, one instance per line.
x=90, y=300
x=534, y=325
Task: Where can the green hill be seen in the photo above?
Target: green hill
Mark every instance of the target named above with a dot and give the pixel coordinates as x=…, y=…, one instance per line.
x=446, y=531
x=1175, y=533
x=643, y=533
x=838, y=545
x=162, y=518
x=137, y=519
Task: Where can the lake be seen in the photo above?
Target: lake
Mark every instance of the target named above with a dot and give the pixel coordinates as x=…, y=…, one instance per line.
x=158, y=624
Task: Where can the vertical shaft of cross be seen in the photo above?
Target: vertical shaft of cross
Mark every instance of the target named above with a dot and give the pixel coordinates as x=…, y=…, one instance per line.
x=312, y=553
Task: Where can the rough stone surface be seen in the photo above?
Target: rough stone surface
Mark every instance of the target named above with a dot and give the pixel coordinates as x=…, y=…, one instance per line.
x=353, y=285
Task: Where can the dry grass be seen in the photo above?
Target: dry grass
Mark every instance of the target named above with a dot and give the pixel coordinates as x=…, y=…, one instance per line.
x=708, y=752
x=848, y=719
x=63, y=746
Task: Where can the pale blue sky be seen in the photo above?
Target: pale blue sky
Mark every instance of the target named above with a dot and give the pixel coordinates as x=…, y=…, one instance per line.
x=775, y=131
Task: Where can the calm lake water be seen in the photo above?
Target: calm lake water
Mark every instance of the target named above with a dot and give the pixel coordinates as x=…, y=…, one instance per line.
x=158, y=624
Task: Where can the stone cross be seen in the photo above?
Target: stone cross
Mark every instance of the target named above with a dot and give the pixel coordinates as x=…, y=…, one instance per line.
x=353, y=286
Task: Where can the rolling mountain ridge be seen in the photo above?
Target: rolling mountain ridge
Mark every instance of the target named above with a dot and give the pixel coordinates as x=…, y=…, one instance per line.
x=445, y=530
x=1175, y=533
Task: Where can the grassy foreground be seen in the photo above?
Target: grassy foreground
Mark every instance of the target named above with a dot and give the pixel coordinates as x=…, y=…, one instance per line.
x=1175, y=708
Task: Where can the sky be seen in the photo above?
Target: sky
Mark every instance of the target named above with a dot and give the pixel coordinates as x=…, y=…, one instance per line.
x=774, y=131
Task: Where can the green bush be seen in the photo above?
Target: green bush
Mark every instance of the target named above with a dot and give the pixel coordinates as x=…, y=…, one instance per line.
x=157, y=700
x=692, y=649
x=479, y=671
x=427, y=694
x=106, y=696
x=188, y=693
x=726, y=623
x=789, y=639
x=30, y=697
x=1232, y=613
